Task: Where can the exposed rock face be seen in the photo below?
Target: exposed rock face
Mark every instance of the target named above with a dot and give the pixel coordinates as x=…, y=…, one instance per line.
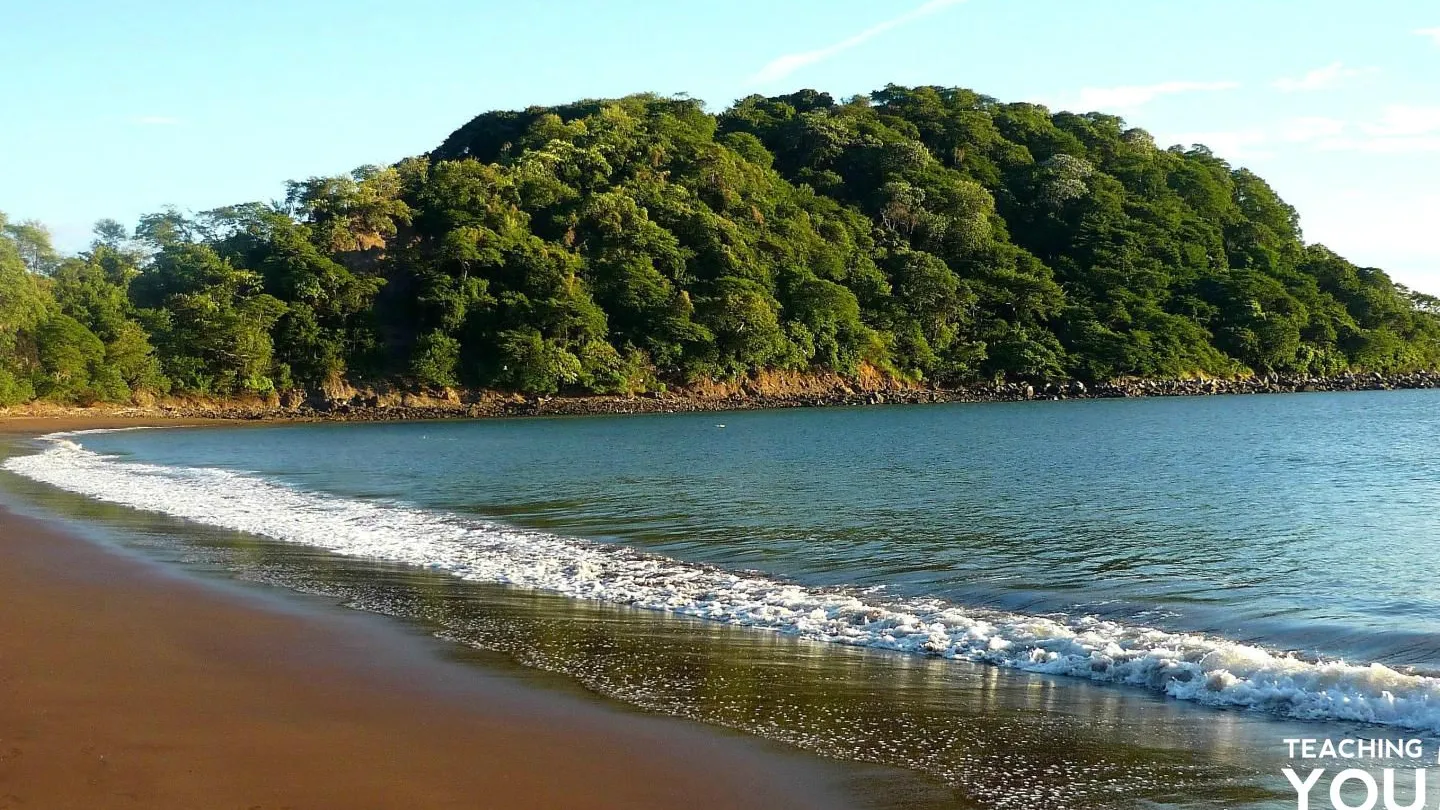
x=772, y=391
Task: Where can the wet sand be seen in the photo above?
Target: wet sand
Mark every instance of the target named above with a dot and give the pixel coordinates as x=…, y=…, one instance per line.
x=127, y=685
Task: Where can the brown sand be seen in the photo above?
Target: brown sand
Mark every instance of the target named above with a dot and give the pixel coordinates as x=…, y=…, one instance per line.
x=124, y=685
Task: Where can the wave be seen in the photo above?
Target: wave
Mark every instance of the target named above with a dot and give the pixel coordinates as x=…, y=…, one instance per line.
x=1203, y=669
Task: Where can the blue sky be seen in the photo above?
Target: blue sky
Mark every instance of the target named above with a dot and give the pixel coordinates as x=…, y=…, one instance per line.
x=119, y=109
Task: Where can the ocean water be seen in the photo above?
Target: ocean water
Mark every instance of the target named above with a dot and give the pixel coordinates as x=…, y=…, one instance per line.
x=1048, y=604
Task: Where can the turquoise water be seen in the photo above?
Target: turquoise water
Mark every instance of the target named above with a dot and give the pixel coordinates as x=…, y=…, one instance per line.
x=1048, y=604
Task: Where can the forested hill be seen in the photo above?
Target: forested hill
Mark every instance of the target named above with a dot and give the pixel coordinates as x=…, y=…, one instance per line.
x=932, y=234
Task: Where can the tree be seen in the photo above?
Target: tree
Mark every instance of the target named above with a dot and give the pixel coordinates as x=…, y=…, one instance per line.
x=32, y=243
x=211, y=320
x=618, y=245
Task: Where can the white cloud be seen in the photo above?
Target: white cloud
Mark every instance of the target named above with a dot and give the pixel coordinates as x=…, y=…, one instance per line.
x=154, y=120
x=1405, y=120
x=1259, y=142
x=1401, y=129
x=1229, y=144
x=783, y=66
x=1305, y=130
x=1100, y=98
x=1383, y=146
x=1322, y=78
x=1433, y=33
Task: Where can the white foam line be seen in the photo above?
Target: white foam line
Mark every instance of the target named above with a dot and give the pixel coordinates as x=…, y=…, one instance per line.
x=93, y=431
x=1191, y=667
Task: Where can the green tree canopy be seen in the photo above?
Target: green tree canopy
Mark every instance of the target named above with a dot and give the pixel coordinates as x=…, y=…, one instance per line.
x=615, y=245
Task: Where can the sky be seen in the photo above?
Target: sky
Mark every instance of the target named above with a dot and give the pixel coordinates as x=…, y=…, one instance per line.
x=119, y=109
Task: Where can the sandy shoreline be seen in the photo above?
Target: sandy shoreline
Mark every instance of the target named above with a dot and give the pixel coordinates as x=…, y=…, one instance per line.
x=130, y=686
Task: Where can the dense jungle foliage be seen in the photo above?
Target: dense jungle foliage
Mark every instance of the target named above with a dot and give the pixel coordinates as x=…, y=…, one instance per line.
x=929, y=233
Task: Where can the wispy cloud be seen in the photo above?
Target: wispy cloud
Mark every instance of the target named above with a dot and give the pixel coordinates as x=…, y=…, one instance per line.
x=1102, y=98
x=1309, y=129
x=1402, y=129
x=1433, y=33
x=783, y=66
x=1399, y=129
x=1410, y=145
x=1322, y=78
x=1258, y=142
x=1406, y=120
x=154, y=120
x=1231, y=144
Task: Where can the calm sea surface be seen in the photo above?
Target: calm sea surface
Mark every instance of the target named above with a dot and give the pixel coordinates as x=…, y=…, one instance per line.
x=1053, y=604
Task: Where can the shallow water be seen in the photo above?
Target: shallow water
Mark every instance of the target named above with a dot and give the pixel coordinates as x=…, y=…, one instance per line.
x=976, y=736
x=1092, y=539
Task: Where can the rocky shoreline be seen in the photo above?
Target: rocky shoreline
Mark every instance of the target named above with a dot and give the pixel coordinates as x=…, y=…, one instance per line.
x=746, y=395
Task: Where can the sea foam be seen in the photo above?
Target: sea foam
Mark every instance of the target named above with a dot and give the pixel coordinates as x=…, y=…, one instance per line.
x=1198, y=668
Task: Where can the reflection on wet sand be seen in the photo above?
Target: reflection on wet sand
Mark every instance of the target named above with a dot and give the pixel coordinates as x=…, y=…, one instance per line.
x=991, y=738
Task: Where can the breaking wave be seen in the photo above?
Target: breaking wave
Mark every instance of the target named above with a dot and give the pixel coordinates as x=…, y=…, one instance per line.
x=1197, y=668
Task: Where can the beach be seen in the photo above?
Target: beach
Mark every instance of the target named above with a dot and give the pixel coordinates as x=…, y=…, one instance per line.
x=131, y=685
x=1013, y=605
